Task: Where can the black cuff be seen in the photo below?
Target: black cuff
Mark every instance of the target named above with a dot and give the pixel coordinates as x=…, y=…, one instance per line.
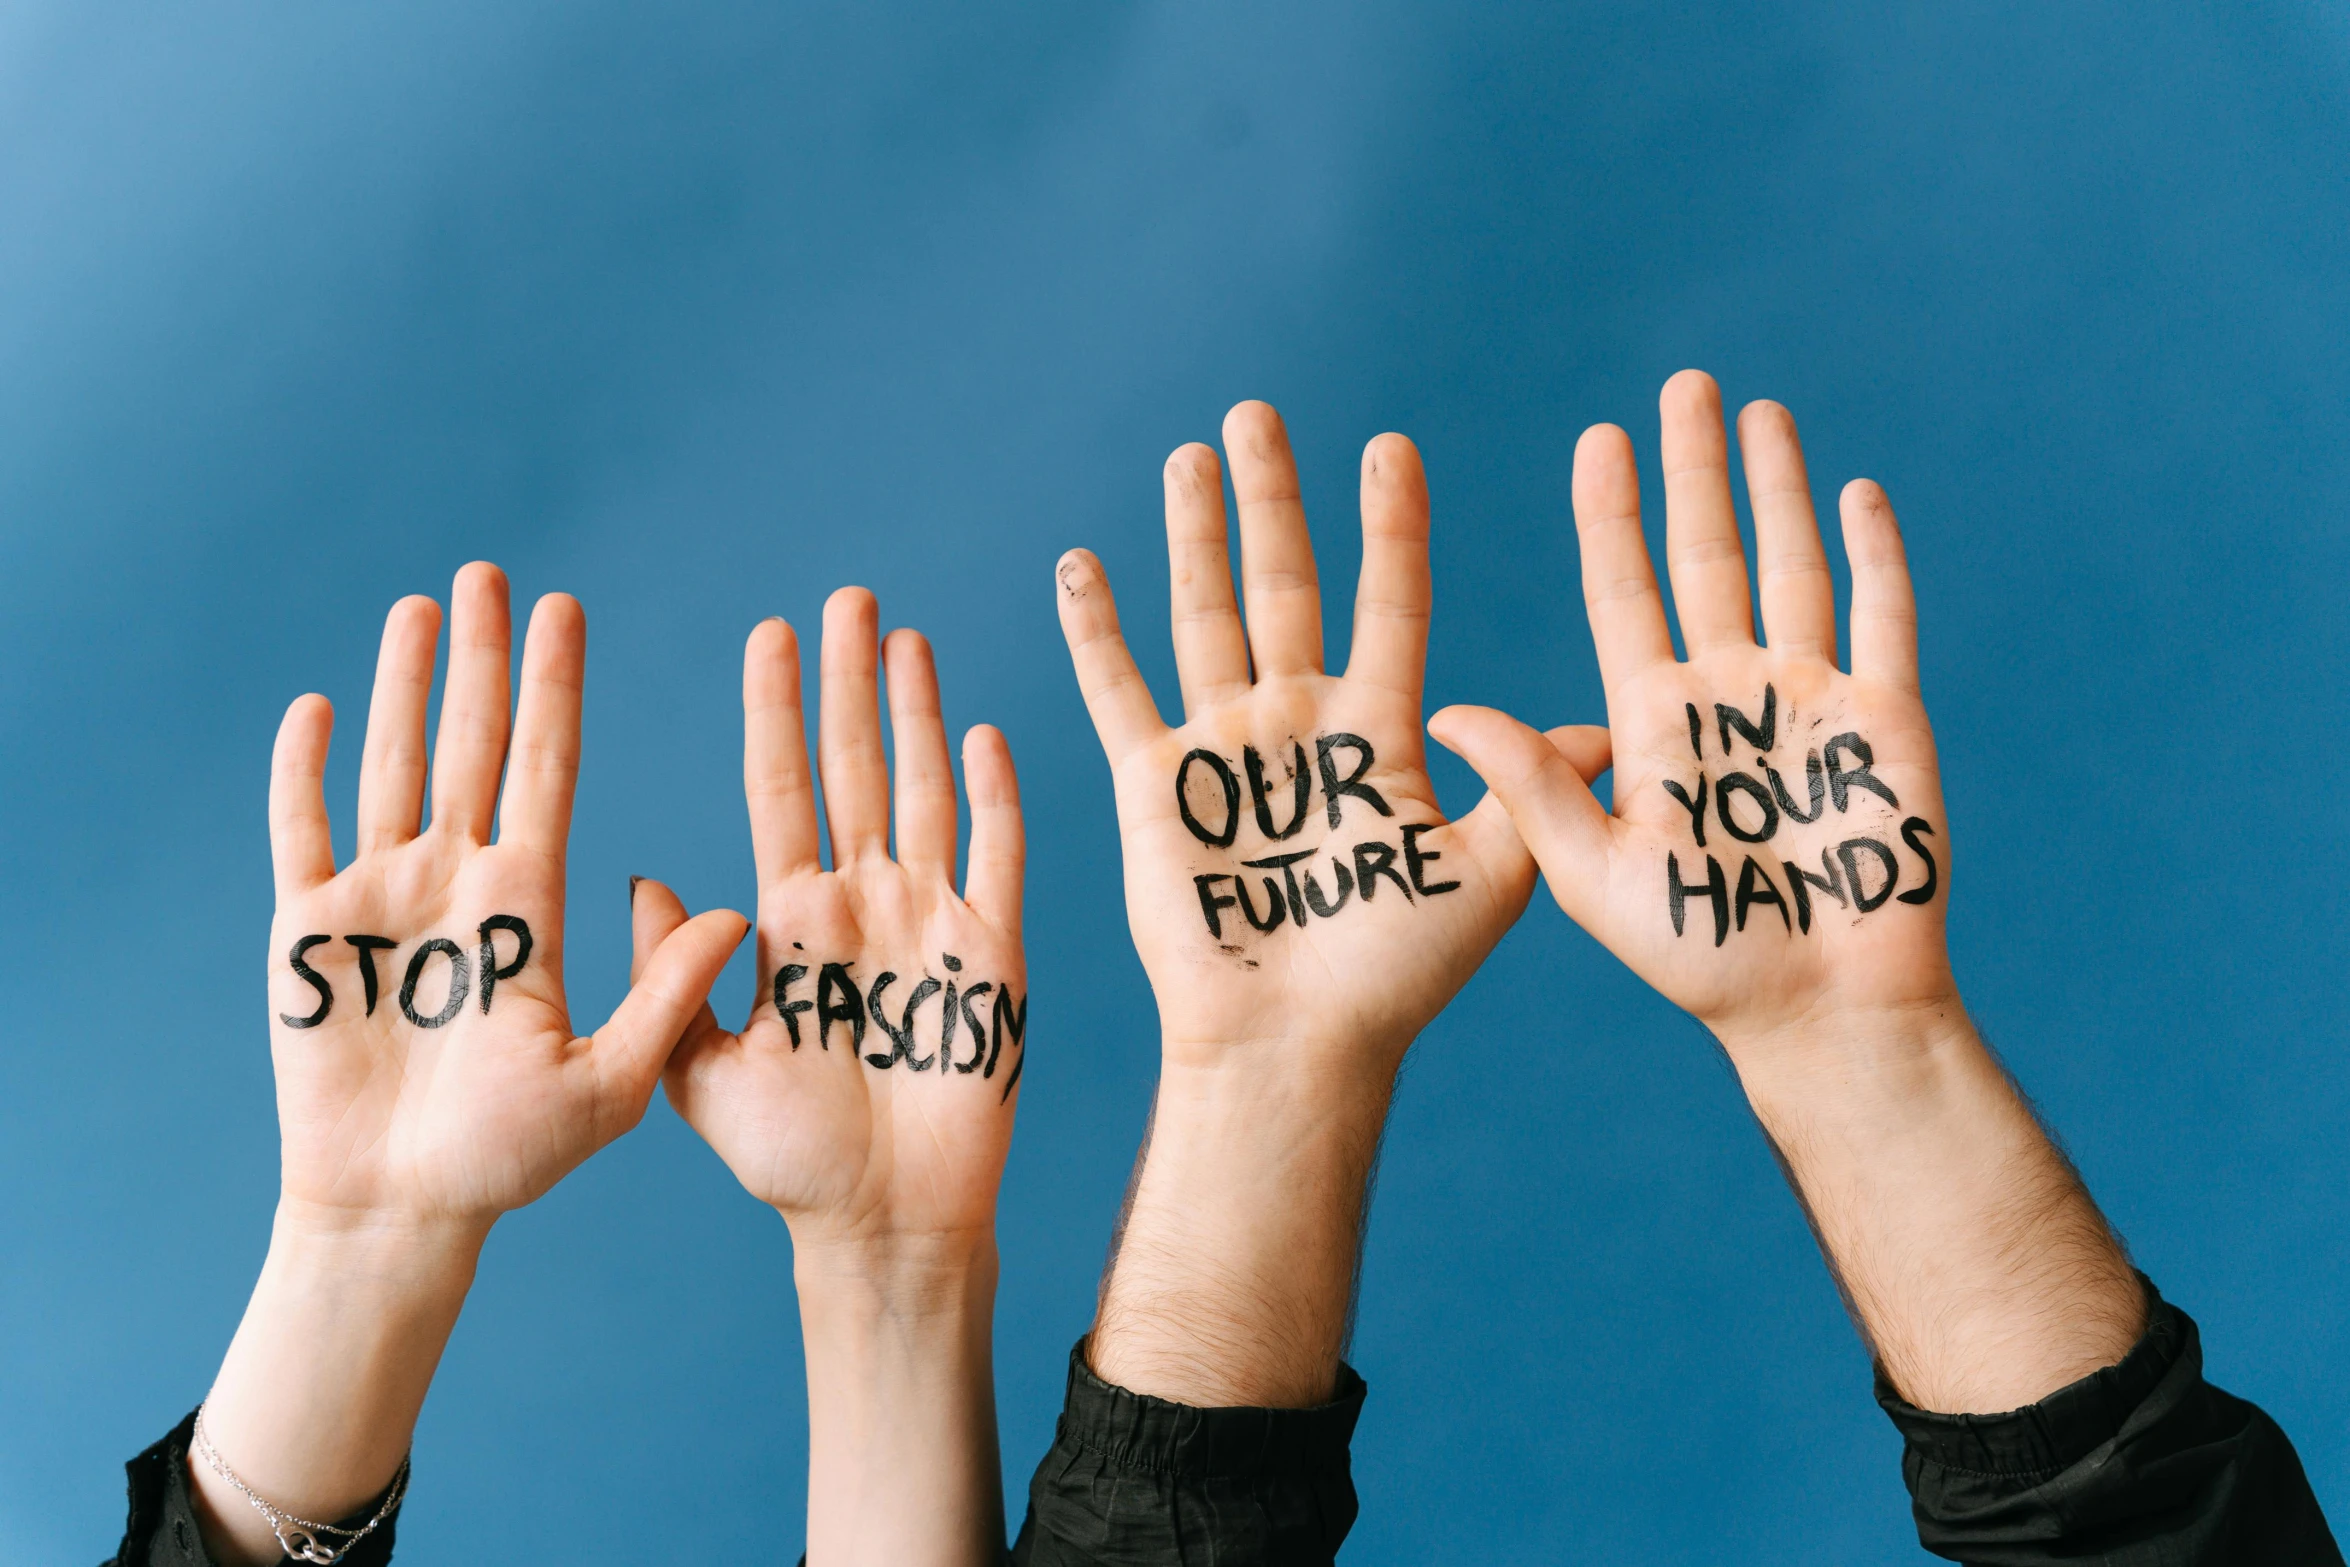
x=2142, y=1462
x=1137, y=1480
x=161, y=1528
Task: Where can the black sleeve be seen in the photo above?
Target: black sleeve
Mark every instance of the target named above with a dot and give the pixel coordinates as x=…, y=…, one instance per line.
x=161, y=1529
x=1135, y=1481
x=2142, y=1464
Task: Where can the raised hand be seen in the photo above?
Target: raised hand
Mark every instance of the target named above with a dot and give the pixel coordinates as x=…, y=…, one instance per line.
x=869, y=1098
x=1778, y=863
x=1301, y=905
x=426, y=1062
x=428, y=1077
x=1291, y=883
x=1777, y=848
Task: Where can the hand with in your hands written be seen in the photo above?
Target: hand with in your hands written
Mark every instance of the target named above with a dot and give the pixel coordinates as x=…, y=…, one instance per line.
x=1777, y=863
x=428, y=1076
x=1301, y=905
x=869, y=1099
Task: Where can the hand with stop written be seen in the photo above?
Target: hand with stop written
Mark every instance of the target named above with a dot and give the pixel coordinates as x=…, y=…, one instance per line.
x=1777, y=862
x=1302, y=907
x=428, y=1075
x=869, y=1098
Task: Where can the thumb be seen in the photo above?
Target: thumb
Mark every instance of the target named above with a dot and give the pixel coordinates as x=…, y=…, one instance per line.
x=673, y=966
x=653, y=912
x=1541, y=781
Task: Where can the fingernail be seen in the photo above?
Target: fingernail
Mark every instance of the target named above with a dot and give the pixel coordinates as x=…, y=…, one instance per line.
x=632, y=881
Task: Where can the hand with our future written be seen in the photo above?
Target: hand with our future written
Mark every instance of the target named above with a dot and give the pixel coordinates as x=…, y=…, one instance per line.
x=869, y=1098
x=1301, y=904
x=428, y=1075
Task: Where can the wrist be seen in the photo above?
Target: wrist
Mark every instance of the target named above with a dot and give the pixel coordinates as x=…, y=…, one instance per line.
x=898, y=1334
x=1860, y=1054
x=1270, y=1079
x=911, y=1277
x=319, y=1392
x=379, y=1244
x=1237, y=1257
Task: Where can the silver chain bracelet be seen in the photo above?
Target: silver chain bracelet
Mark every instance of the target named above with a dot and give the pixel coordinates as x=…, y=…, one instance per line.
x=300, y=1538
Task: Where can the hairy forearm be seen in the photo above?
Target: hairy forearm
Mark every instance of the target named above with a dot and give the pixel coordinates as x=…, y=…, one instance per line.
x=1980, y=1270
x=901, y=1401
x=1236, y=1266
x=317, y=1399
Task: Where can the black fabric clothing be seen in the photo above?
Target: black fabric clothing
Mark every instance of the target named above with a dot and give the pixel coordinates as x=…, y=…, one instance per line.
x=2142, y=1464
x=1135, y=1481
x=161, y=1530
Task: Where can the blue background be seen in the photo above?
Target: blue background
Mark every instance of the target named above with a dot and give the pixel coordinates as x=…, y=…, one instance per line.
x=701, y=310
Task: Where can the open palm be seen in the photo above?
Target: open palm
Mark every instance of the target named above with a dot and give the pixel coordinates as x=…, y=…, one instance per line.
x=1777, y=847
x=426, y=1063
x=871, y=1094
x=1289, y=875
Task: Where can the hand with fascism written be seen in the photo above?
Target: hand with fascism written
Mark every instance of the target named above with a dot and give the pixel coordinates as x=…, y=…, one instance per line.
x=869, y=1099
x=1776, y=851
x=871, y=1091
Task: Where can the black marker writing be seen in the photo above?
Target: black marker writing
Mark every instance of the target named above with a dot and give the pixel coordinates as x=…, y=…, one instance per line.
x=1372, y=861
x=368, y=947
x=1813, y=775
x=901, y=1033
x=978, y=1029
x=460, y=983
x=1860, y=874
x=948, y=1017
x=1342, y=878
x=491, y=973
x=1846, y=853
x=838, y=1000
x=1715, y=886
x=315, y=980
x=1011, y=1020
x=985, y=1011
x=1841, y=781
x=1210, y=901
x=1745, y=784
x=1196, y=810
x=1755, y=886
x=462, y=975
x=1800, y=881
x=1695, y=808
x=1761, y=736
x=1333, y=786
x=1278, y=905
x=1259, y=792
x=1416, y=858
x=786, y=977
x=1231, y=787
x=1287, y=894
x=1909, y=835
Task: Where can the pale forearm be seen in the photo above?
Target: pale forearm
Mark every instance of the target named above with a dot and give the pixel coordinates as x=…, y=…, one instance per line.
x=317, y=1399
x=1236, y=1267
x=902, y=1462
x=1981, y=1271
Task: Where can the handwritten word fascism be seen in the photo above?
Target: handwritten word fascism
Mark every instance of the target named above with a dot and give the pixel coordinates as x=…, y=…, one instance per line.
x=838, y=998
x=1860, y=873
x=1214, y=817
x=463, y=971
